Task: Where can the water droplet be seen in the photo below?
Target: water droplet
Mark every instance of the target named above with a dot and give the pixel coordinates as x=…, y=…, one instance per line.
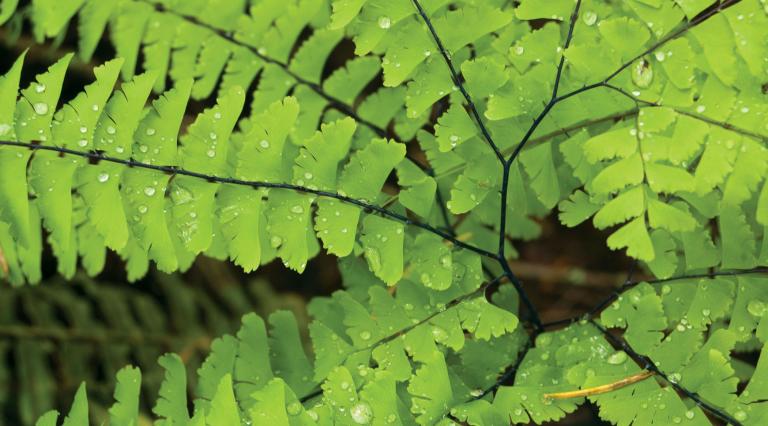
x=365, y=335
x=142, y=209
x=82, y=143
x=385, y=22
x=589, y=18
x=40, y=108
x=217, y=115
x=660, y=56
x=700, y=109
x=149, y=191
x=642, y=74
x=211, y=153
x=83, y=129
x=150, y=131
x=756, y=308
x=617, y=358
x=40, y=88
x=297, y=209
x=689, y=414
x=143, y=148
x=519, y=50
x=103, y=177
x=275, y=241
x=213, y=136
x=294, y=409
x=110, y=130
x=264, y=144
x=95, y=107
x=361, y=413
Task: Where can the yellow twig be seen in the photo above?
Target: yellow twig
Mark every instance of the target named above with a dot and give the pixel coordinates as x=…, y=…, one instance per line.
x=597, y=390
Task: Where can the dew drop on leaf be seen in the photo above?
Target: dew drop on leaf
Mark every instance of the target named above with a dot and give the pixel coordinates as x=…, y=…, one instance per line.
x=264, y=144
x=150, y=131
x=642, y=74
x=294, y=408
x=103, y=177
x=275, y=241
x=149, y=191
x=385, y=22
x=617, y=358
x=756, y=308
x=40, y=88
x=298, y=209
x=589, y=18
x=361, y=413
x=40, y=108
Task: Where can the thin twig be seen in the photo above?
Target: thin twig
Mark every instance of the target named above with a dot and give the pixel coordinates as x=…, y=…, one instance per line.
x=650, y=366
x=598, y=390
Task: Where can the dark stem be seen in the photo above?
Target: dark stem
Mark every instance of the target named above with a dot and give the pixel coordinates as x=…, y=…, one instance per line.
x=650, y=366
x=457, y=81
x=175, y=171
x=631, y=284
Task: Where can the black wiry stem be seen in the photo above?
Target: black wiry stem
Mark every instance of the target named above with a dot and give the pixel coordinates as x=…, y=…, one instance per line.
x=669, y=37
x=722, y=124
x=629, y=284
x=511, y=371
x=172, y=170
x=556, y=87
x=650, y=366
x=384, y=340
x=604, y=83
x=335, y=103
x=457, y=81
x=554, y=100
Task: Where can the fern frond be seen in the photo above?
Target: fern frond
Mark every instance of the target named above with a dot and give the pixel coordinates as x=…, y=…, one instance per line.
x=90, y=207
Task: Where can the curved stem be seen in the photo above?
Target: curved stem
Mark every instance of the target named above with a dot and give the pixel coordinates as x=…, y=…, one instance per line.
x=171, y=170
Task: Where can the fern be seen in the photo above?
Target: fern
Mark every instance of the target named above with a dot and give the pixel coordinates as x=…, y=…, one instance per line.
x=626, y=113
x=58, y=334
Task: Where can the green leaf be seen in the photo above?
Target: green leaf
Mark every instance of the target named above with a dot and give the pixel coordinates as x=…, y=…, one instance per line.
x=224, y=410
x=172, y=400
x=540, y=166
x=368, y=168
x=125, y=410
x=78, y=413
x=634, y=236
x=383, y=241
